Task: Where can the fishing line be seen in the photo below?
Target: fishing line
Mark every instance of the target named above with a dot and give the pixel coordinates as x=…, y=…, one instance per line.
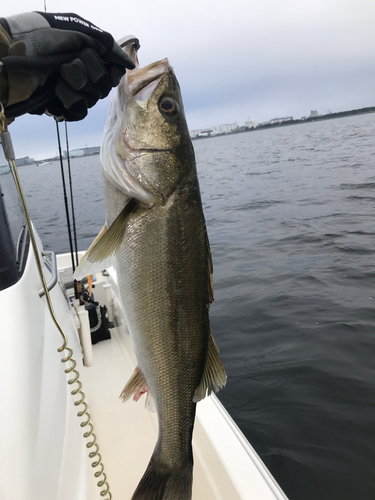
x=65, y=197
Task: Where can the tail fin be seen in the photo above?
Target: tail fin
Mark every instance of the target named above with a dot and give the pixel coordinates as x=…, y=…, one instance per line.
x=157, y=485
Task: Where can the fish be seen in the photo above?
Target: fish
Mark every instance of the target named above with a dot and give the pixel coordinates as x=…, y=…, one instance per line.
x=155, y=235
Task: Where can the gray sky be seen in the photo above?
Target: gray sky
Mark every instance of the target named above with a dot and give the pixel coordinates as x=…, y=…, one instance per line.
x=235, y=59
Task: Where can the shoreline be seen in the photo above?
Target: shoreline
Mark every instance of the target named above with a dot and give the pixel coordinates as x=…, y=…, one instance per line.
x=330, y=116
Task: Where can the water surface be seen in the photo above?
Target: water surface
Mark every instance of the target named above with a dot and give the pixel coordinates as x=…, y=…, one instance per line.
x=290, y=216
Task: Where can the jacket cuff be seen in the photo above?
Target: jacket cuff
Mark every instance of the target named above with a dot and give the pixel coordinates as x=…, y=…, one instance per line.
x=14, y=86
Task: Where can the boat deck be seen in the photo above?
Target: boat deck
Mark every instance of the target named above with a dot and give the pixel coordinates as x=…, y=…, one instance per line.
x=226, y=467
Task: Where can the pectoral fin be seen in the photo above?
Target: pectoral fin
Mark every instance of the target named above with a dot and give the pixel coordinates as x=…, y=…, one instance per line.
x=86, y=267
x=99, y=254
x=110, y=241
x=214, y=376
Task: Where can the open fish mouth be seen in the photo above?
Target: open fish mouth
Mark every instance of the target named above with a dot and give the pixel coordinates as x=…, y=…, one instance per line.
x=144, y=80
x=130, y=44
x=141, y=82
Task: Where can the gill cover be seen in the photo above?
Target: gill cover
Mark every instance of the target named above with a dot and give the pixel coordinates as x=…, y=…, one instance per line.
x=140, y=152
x=152, y=138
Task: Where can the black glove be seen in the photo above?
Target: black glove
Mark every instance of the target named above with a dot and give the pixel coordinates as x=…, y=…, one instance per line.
x=72, y=64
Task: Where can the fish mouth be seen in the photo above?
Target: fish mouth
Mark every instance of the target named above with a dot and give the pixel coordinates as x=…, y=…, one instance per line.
x=130, y=45
x=141, y=82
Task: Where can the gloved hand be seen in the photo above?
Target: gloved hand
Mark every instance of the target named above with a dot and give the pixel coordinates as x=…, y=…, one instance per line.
x=70, y=64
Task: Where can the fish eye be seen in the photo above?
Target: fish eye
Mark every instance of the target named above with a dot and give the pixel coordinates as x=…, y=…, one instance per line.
x=167, y=106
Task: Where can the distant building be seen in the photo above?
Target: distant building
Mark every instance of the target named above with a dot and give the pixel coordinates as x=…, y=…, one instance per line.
x=227, y=128
x=201, y=133
x=95, y=150
x=251, y=124
x=313, y=113
x=20, y=162
x=281, y=120
x=224, y=129
x=275, y=121
x=75, y=152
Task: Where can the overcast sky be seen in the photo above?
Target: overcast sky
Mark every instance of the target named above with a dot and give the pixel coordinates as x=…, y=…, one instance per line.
x=235, y=60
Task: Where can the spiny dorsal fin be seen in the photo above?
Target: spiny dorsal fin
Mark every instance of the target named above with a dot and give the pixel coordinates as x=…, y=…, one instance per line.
x=214, y=376
x=110, y=241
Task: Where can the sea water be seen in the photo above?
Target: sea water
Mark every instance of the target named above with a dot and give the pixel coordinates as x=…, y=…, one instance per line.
x=290, y=214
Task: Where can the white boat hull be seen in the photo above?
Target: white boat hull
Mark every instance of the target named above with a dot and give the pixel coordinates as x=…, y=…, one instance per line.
x=43, y=452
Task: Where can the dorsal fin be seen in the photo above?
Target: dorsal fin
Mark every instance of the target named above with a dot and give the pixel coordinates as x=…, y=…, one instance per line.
x=214, y=376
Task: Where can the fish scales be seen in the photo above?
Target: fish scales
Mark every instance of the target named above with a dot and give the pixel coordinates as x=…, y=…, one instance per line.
x=162, y=269
x=156, y=228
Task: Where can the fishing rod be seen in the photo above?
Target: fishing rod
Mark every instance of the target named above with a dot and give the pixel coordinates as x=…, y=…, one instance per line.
x=64, y=188
x=71, y=195
x=65, y=197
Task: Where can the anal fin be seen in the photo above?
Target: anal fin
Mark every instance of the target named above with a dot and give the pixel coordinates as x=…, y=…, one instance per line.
x=214, y=376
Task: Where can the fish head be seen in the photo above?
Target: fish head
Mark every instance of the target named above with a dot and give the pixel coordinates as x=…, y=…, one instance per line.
x=152, y=141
